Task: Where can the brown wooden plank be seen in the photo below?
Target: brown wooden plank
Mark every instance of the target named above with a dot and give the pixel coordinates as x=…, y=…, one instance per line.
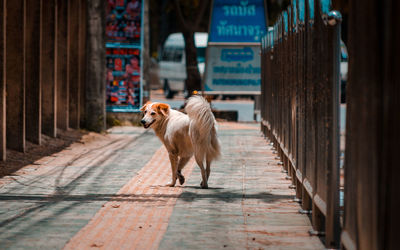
x=389, y=210
x=47, y=63
x=372, y=132
x=15, y=87
x=61, y=65
x=2, y=85
x=73, y=63
x=82, y=58
x=32, y=71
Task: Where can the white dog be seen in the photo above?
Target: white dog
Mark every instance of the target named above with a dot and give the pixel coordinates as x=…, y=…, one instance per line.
x=184, y=135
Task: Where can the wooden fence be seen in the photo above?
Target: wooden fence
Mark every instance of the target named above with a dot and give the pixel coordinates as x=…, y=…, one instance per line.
x=300, y=107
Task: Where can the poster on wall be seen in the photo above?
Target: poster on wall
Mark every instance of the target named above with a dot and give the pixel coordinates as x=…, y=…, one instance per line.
x=123, y=55
x=233, y=59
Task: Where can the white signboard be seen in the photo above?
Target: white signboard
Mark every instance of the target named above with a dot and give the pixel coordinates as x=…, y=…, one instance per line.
x=233, y=69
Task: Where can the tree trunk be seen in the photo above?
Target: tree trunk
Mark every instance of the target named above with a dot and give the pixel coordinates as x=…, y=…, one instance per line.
x=188, y=28
x=193, y=80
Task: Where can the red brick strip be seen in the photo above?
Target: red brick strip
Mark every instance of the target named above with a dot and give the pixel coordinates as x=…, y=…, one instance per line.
x=137, y=217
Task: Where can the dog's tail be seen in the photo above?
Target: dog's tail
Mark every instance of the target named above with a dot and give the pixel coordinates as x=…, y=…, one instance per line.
x=202, y=129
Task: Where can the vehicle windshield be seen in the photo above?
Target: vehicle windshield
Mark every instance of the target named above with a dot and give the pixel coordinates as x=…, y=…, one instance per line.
x=172, y=54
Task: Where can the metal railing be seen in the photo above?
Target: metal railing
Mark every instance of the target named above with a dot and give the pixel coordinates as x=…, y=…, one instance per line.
x=300, y=107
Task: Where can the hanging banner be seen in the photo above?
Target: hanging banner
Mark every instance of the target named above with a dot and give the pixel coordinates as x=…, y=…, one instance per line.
x=233, y=59
x=124, y=41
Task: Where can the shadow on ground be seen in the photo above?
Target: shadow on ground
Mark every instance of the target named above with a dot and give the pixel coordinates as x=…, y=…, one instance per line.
x=214, y=194
x=218, y=194
x=16, y=160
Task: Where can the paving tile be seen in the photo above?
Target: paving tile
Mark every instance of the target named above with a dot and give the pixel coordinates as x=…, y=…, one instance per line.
x=44, y=209
x=248, y=205
x=114, y=198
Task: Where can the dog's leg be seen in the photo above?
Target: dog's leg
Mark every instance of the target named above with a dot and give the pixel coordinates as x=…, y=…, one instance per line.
x=208, y=168
x=199, y=161
x=181, y=178
x=174, y=169
x=181, y=165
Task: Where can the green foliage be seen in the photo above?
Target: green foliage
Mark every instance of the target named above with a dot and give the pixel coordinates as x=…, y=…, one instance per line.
x=112, y=121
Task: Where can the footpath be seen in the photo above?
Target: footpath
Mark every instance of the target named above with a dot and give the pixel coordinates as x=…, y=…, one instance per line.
x=110, y=193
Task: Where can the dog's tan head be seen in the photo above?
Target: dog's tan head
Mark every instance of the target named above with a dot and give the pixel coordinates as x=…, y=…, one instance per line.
x=154, y=113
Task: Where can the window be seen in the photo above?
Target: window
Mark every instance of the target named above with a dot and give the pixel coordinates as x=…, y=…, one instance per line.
x=172, y=55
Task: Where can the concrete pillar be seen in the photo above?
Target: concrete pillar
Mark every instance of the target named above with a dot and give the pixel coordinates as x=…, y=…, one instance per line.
x=73, y=63
x=47, y=68
x=2, y=85
x=96, y=58
x=61, y=65
x=32, y=66
x=15, y=87
x=82, y=58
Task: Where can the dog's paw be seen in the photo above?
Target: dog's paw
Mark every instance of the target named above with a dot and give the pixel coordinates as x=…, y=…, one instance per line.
x=170, y=184
x=181, y=179
x=204, y=186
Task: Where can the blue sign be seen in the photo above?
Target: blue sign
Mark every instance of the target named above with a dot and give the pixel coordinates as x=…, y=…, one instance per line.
x=237, y=21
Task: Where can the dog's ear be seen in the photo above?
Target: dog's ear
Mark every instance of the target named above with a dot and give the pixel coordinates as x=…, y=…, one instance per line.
x=144, y=106
x=163, y=108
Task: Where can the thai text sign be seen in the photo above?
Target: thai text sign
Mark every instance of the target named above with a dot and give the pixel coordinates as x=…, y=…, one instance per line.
x=237, y=21
x=233, y=68
x=233, y=59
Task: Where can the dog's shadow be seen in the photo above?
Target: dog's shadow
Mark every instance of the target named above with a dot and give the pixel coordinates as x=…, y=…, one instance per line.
x=185, y=187
x=192, y=193
x=198, y=187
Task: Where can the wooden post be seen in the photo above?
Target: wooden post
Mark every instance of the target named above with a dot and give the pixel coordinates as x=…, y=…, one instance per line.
x=61, y=65
x=47, y=68
x=14, y=68
x=2, y=84
x=32, y=66
x=371, y=201
x=82, y=58
x=73, y=63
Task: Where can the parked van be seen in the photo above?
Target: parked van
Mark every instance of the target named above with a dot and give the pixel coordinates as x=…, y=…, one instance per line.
x=173, y=62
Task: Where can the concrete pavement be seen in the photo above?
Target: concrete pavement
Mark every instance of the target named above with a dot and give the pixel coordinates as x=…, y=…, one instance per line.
x=112, y=195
